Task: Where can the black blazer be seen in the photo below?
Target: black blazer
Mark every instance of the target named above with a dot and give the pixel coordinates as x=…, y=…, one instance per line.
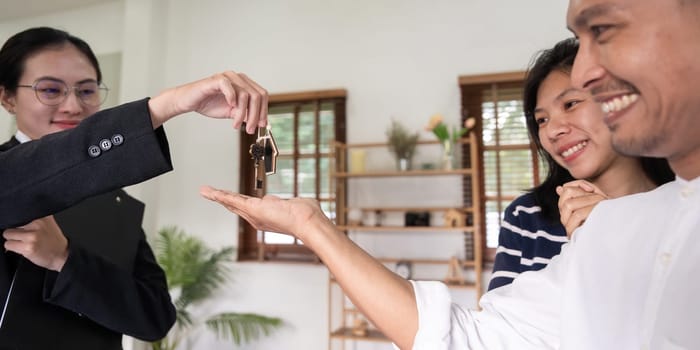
x=45, y=176
x=110, y=283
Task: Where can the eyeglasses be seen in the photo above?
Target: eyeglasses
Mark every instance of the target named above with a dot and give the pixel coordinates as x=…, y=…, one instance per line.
x=52, y=92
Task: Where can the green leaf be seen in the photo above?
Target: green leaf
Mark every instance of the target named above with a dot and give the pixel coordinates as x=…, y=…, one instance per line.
x=194, y=272
x=441, y=132
x=242, y=328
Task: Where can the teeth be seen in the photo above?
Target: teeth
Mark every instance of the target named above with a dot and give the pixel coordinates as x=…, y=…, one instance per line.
x=618, y=103
x=573, y=149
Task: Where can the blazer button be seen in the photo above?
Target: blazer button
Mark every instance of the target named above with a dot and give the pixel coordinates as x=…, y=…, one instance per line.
x=94, y=151
x=105, y=144
x=117, y=139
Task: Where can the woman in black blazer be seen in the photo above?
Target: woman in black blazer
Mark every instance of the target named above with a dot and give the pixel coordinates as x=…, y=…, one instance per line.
x=84, y=276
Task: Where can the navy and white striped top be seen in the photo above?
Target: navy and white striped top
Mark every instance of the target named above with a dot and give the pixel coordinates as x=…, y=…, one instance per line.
x=527, y=241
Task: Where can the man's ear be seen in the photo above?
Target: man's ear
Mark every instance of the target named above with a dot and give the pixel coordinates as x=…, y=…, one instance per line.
x=7, y=99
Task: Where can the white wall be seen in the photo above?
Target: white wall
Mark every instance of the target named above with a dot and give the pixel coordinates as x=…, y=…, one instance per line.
x=396, y=58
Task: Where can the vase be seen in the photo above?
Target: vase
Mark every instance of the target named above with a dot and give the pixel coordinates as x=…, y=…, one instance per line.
x=357, y=161
x=448, y=155
x=403, y=164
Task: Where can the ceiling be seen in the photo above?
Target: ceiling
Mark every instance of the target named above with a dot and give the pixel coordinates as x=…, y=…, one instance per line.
x=15, y=9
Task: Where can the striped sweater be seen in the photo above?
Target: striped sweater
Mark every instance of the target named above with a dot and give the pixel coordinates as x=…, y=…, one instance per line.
x=527, y=241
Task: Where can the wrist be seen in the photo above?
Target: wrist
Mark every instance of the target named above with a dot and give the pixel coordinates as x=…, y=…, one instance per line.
x=60, y=258
x=59, y=261
x=317, y=230
x=161, y=108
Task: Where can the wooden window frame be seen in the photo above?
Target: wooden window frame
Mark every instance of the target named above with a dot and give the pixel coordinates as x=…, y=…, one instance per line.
x=471, y=88
x=250, y=246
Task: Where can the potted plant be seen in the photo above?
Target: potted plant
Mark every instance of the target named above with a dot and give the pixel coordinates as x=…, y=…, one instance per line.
x=448, y=138
x=402, y=143
x=194, y=273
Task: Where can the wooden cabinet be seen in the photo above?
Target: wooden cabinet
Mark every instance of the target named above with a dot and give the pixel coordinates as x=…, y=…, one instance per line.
x=414, y=248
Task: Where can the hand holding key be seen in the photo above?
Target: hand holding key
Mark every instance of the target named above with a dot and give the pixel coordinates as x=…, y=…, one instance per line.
x=264, y=153
x=227, y=95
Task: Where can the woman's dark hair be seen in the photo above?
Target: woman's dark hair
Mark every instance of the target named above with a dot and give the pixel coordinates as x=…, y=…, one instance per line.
x=19, y=47
x=561, y=58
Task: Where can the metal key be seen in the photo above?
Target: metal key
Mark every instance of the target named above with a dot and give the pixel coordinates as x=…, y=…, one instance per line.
x=264, y=152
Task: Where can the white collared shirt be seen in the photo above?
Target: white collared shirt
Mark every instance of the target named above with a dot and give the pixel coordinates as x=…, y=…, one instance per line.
x=22, y=137
x=628, y=280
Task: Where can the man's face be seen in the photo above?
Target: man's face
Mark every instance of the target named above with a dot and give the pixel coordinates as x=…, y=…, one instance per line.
x=641, y=60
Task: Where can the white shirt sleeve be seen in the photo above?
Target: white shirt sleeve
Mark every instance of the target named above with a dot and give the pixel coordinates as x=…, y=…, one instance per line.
x=521, y=315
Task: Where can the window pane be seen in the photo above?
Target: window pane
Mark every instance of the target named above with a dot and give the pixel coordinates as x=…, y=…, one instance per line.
x=544, y=168
x=307, y=178
x=277, y=238
x=490, y=175
x=493, y=223
x=494, y=216
x=508, y=167
x=511, y=123
x=504, y=125
x=326, y=191
x=307, y=130
x=328, y=209
x=489, y=123
x=282, y=182
x=282, y=122
x=516, y=171
x=327, y=125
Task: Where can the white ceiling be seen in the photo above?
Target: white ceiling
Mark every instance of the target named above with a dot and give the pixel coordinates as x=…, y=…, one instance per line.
x=14, y=9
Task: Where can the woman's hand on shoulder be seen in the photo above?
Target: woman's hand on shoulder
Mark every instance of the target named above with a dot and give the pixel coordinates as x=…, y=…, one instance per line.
x=576, y=201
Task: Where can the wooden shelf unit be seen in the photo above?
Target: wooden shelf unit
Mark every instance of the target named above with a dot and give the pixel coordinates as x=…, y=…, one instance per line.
x=346, y=333
x=425, y=229
x=340, y=177
x=428, y=172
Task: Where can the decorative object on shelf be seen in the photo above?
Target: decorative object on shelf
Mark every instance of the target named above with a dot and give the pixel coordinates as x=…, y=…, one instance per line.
x=369, y=218
x=402, y=143
x=378, y=216
x=354, y=216
x=447, y=158
x=357, y=161
x=404, y=269
x=360, y=327
x=454, y=272
x=455, y=218
x=448, y=138
x=417, y=218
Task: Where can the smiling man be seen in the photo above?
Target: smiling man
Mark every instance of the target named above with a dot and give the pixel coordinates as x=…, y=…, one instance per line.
x=626, y=279
x=639, y=60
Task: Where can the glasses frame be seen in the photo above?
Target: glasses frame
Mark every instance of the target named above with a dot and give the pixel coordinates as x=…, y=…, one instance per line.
x=101, y=87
